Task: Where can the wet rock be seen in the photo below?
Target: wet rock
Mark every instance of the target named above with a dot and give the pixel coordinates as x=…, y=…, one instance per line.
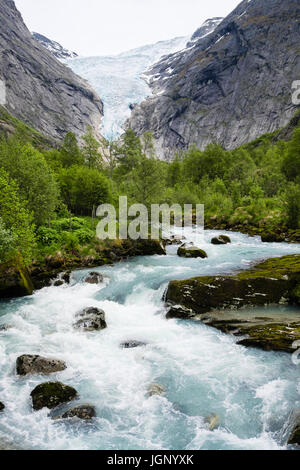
x=156, y=389
x=270, y=336
x=221, y=240
x=174, y=240
x=4, y=327
x=51, y=394
x=91, y=319
x=177, y=311
x=213, y=421
x=66, y=277
x=58, y=283
x=2, y=407
x=294, y=438
x=94, y=278
x=29, y=364
x=272, y=237
x=55, y=261
x=132, y=344
x=85, y=412
x=191, y=251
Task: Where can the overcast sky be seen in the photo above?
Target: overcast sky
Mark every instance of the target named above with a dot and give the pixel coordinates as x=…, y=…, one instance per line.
x=105, y=27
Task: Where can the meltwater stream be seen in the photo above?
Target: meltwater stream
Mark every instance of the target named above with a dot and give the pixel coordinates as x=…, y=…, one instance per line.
x=203, y=370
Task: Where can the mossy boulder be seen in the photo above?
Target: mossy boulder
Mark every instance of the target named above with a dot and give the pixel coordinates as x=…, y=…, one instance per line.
x=191, y=251
x=91, y=319
x=29, y=364
x=2, y=407
x=51, y=394
x=275, y=281
x=221, y=240
x=84, y=412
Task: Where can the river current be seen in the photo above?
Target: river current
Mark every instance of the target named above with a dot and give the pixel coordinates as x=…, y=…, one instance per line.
x=203, y=370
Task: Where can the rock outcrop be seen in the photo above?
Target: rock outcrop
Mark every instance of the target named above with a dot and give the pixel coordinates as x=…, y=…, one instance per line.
x=38, y=89
x=218, y=302
x=294, y=438
x=230, y=86
x=29, y=364
x=51, y=394
x=2, y=407
x=190, y=251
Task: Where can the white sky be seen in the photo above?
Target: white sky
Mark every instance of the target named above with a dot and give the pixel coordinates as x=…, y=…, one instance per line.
x=106, y=27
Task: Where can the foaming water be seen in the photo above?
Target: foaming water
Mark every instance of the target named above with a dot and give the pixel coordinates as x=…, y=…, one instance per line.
x=202, y=370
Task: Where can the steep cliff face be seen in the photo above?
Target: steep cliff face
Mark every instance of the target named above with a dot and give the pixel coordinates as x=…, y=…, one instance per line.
x=230, y=86
x=36, y=88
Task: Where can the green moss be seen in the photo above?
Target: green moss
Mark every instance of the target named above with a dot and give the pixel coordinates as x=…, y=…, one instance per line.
x=275, y=268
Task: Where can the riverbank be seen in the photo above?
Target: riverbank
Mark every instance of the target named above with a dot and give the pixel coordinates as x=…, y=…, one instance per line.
x=45, y=271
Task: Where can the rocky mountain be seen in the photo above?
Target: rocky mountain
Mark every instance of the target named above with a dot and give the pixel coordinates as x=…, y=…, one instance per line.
x=57, y=49
x=38, y=89
x=228, y=86
x=118, y=79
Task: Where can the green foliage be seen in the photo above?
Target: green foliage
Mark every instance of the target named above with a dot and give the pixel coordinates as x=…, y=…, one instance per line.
x=37, y=184
x=16, y=221
x=90, y=150
x=291, y=163
x=83, y=189
x=293, y=205
x=70, y=153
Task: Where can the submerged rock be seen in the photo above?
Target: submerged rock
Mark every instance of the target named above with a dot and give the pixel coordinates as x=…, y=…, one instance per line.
x=28, y=364
x=58, y=283
x=213, y=421
x=294, y=438
x=155, y=389
x=85, y=412
x=191, y=251
x=2, y=407
x=221, y=240
x=132, y=344
x=91, y=319
x=4, y=327
x=51, y=394
x=94, y=278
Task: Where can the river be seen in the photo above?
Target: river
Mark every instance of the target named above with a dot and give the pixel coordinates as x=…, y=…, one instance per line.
x=203, y=370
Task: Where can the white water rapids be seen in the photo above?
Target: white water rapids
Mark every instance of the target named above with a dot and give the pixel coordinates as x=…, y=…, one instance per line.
x=203, y=370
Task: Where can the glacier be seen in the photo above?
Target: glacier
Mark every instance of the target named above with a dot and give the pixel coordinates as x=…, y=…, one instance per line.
x=119, y=80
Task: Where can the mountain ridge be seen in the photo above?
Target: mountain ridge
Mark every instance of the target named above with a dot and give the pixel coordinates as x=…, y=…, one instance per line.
x=37, y=88
x=229, y=87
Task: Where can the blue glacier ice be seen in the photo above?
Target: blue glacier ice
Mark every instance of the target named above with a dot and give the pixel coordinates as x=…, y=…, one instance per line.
x=119, y=82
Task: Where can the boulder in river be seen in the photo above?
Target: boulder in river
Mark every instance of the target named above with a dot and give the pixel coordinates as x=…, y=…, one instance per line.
x=29, y=364
x=294, y=438
x=174, y=240
x=132, y=344
x=51, y=394
x=155, y=389
x=213, y=421
x=91, y=319
x=221, y=240
x=2, y=407
x=214, y=299
x=94, y=278
x=191, y=251
x=85, y=412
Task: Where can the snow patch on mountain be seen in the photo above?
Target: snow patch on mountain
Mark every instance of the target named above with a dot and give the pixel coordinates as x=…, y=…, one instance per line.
x=54, y=47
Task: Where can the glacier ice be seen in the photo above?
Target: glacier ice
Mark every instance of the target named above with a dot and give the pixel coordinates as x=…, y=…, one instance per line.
x=119, y=82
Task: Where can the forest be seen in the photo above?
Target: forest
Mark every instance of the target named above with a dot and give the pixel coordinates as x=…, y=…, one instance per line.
x=49, y=195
